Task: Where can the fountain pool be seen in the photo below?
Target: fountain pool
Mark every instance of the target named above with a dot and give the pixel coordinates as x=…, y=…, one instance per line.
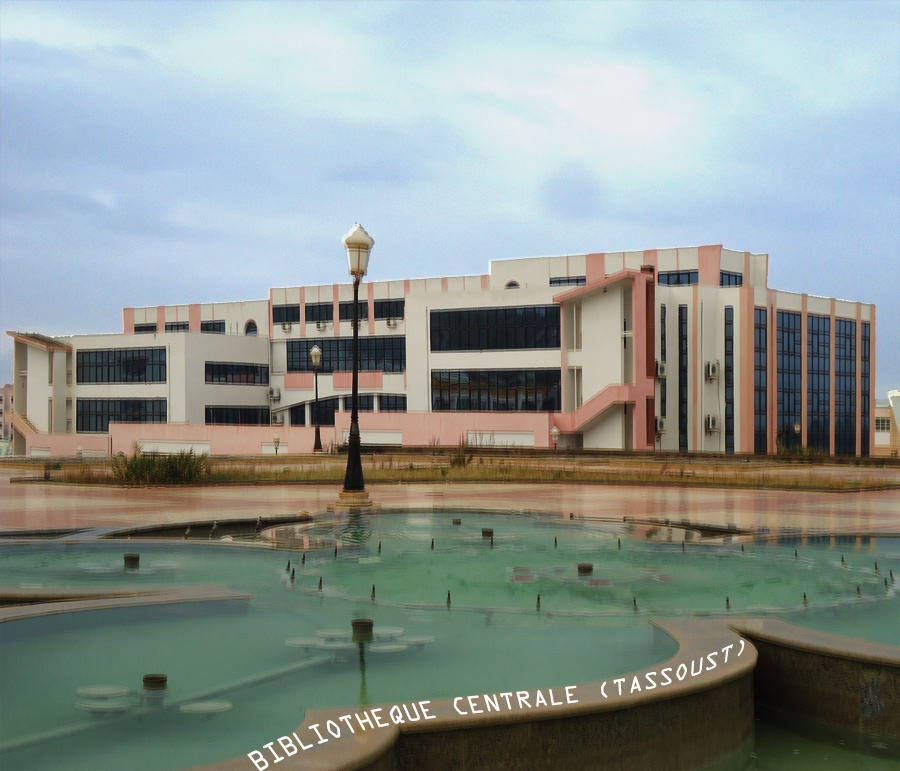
x=246, y=653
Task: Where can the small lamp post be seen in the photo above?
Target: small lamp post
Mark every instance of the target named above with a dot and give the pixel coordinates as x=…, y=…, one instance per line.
x=554, y=435
x=316, y=355
x=358, y=244
x=276, y=440
x=798, y=439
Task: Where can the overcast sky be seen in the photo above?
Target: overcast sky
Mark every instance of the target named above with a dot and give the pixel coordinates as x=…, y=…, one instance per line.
x=174, y=152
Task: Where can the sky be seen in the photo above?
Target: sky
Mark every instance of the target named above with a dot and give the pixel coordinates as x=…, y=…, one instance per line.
x=169, y=152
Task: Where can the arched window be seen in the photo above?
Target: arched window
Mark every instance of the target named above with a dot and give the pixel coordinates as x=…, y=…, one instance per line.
x=250, y=328
x=512, y=285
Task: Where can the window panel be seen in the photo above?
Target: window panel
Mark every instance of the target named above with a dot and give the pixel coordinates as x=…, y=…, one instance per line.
x=488, y=329
x=121, y=365
x=95, y=415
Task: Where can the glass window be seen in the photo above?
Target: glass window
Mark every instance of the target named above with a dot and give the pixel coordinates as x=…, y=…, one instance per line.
x=237, y=416
x=677, y=277
x=491, y=329
x=818, y=382
x=213, y=327
x=178, y=326
x=760, y=378
x=392, y=403
x=250, y=329
x=568, y=280
x=845, y=387
x=120, y=365
x=366, y=403
x=144, y=329
x=327, y=409
x=376, y=354
x=95, y=415
x=234, y=373
x=345, y=310
x=320, y=312
x=285, y=314
x=390, y=309
x=788, y=379
x=495, y=390
x=728, y=278
x=864, y=395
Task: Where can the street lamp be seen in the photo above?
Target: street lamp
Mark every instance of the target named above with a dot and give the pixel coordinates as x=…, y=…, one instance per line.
x=358, y=244
x=554, y=435
x=316, y=355
x=276, y=440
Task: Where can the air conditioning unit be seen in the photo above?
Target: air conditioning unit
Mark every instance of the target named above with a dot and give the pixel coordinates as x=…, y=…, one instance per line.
x=275, y=394
x=278, y=420
x=660, y=425
x=392, y=323
x=712, y=424
x=320, y=325
x=712, y=370
x=660, y=370
x=286, y=326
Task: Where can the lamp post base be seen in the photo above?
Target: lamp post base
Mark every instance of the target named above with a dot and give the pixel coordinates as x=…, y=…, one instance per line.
x=353, y=500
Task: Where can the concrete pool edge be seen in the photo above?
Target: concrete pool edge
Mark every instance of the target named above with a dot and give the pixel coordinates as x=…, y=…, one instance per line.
x=847, y=683
x=38, y=602
x=710, y=714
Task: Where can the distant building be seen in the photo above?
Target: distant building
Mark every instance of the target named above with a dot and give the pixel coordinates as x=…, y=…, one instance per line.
x=6, y=413
x=682, y=349
x=887, y=423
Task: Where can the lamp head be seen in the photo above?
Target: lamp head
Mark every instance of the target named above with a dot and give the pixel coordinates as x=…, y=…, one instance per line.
x=358, y=244
x=315, y=354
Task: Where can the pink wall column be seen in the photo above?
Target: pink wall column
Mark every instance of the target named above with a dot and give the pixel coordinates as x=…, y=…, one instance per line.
x=831, y=362
x=709, y=261
x=128, y=321
x=643, y=364
x=804, y=368
x=871, y=378
x=161, y=318
x=562, y=357
x=595, y=267
x=444, y=283
x=194, y=316
x=859, y=379
x=651, y=257
x=485, y=282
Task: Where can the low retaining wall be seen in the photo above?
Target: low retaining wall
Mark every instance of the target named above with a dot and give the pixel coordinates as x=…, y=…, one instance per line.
x=848, y=684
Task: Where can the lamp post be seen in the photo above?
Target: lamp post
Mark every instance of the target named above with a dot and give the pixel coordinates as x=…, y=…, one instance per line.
x=358, y=244
x=276, y=440
x=316, y=355
x=554, y=435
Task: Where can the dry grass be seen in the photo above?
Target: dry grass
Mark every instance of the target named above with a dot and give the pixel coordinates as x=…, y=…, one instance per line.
x=429, y=466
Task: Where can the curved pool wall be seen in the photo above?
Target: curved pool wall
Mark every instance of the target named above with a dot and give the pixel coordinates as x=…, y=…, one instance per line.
x=849, y=685
x=405, y=747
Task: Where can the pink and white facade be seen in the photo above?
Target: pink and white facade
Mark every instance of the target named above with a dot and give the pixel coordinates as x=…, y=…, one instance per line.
x=683, y=349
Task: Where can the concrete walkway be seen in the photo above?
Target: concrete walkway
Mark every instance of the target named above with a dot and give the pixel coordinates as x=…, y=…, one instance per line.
x=44, y=506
